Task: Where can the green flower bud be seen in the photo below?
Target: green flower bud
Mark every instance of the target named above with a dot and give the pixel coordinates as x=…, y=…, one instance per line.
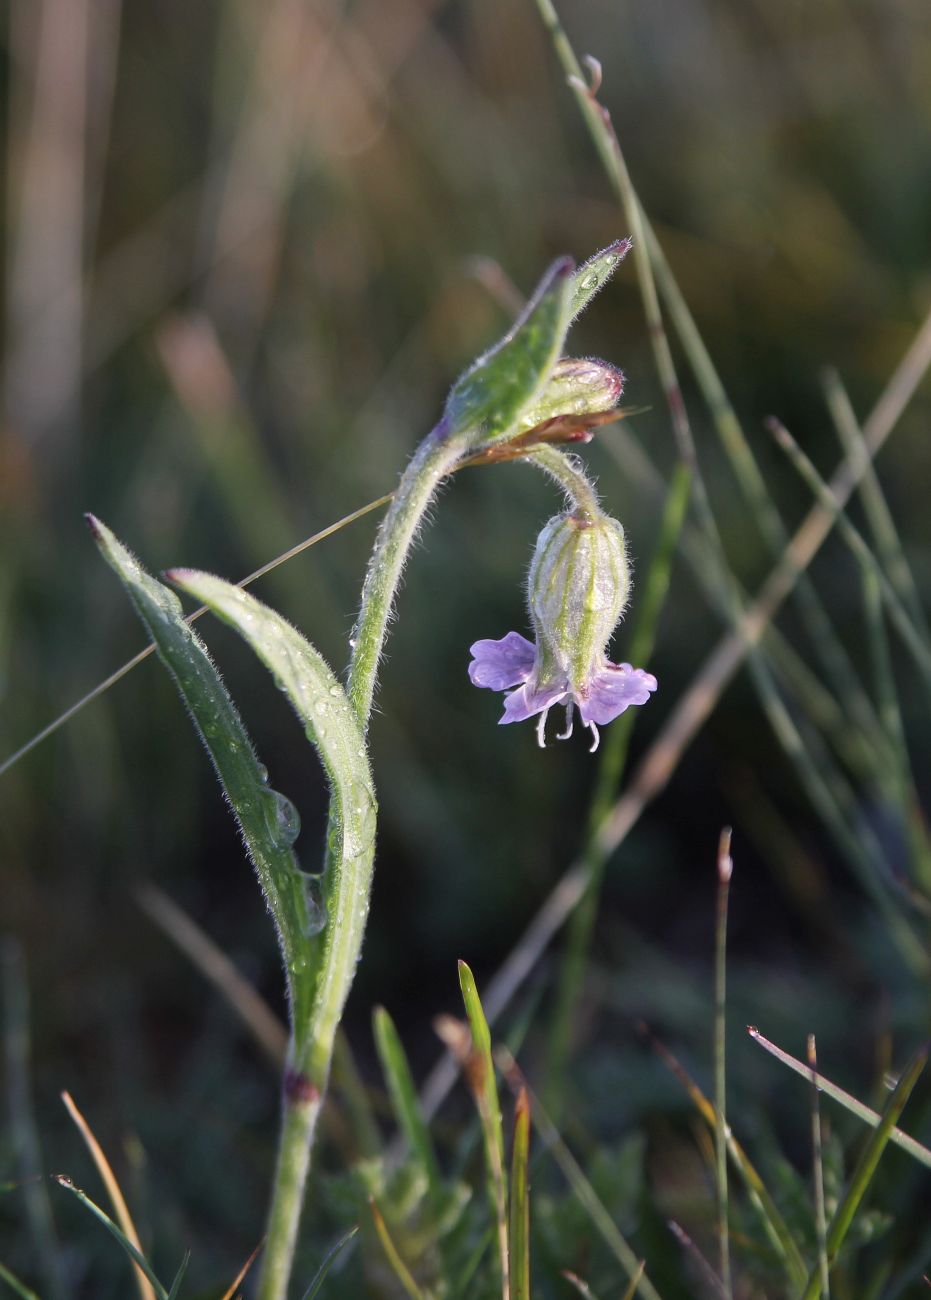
x=577, y=589
x=577, y=386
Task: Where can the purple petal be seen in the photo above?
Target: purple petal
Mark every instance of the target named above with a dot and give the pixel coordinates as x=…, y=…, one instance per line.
x=612, y=689
x=502, y=664
x=528, y=700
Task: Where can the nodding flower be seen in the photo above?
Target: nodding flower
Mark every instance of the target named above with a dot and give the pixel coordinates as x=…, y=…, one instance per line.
x=577, y=588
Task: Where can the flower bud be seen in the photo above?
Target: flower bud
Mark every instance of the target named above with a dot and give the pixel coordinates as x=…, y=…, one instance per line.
x=577, y=386
x=577, y=588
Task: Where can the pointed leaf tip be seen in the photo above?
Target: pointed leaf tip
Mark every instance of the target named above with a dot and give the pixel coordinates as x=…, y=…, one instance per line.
x=93, y=525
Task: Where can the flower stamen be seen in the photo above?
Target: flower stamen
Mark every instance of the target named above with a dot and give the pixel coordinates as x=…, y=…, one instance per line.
x=596, y=738
x=541, y=728
x=570, y=713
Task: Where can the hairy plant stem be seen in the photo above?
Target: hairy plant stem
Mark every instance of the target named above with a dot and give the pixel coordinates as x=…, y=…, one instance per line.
x=571, y=478
x=311, y=1048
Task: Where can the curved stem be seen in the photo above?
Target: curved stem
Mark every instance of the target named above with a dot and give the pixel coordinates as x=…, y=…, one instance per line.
x=570, y=476
x=434, y=459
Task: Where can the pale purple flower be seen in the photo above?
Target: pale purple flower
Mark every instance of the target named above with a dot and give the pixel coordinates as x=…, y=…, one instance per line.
x=514, y=661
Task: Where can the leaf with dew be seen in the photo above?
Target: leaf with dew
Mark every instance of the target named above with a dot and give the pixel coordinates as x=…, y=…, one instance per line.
x=334, y=922
x=258, y=810
x=491, y=395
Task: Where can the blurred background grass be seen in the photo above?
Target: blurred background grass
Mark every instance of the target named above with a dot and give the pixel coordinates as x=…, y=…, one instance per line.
x=248, y=246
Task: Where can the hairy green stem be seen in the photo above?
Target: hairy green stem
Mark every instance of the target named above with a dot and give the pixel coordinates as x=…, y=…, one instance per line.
x=570, y=476
x=434, y=459
x=297, y=1131
x=311, y=1049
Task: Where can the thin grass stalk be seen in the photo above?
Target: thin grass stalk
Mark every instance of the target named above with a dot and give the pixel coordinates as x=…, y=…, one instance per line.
x=771, y=1220
x=108, y=1178
x=920, y=647
x=899, y=785
x=518, y=1287
x=882, y=525
x=862, y=754
x=725, y=871
x=817, y=1171
x=398, y=1267
x=650, y=260
x=610, y=770
x=102, y=687
x=863, y=1112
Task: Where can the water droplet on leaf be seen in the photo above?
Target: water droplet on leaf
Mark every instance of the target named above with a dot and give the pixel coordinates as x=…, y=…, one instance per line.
x=283, y=819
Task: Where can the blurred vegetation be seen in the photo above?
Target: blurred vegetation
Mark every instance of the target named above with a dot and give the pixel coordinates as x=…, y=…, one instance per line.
x=248, y=246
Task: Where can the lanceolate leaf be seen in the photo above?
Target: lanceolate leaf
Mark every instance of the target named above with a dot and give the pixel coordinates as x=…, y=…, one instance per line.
x=594, y=274
x=332, y=727
x=491, y=395
x=259, y=811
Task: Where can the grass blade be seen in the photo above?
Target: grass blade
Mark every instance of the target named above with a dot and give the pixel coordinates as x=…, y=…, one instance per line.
x=399, y=1268
x=821, y=1229
x=216, y=719
x=869, y=1116
x=14, y=1284
x=179, y=1277
x=132, y=1251
x=773, y=1223
x=480, y=1076
x=240, y=1276
x=328, y=1261
x=404, y=1097
x=581, y=1186
x=108, y=1178
x=866, y=1167
x=519, y=1234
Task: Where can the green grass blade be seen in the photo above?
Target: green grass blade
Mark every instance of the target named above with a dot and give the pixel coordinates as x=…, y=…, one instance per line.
x=217, y=721
x=866, y=1167
x=869, y=1116
x=14, y=1284
x=135, y=1256
x=881, y=521
x=480, y=1076
x=320, y=702
x=404, y=1097
x=490, y=396
x=398, y=1267
x=179, y=1277
x=519, y=1233
x=328, y=1261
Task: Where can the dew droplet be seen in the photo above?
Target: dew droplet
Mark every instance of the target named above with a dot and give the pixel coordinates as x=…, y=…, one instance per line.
x=316, y=909
x=353, y=642
x=589, y=281
x=234, y=746
x=283, y=819
x=335, y=690
x=263, y=773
